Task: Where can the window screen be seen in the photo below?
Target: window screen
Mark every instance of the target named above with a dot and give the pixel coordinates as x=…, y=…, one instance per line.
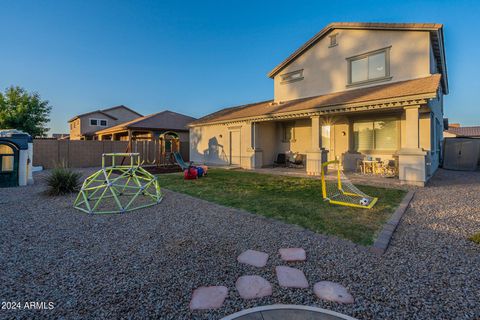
x=368, y=67
x=375, y=135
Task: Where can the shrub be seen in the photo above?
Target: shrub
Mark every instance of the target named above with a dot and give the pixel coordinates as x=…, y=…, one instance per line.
x=63, y=181
x=475, y=238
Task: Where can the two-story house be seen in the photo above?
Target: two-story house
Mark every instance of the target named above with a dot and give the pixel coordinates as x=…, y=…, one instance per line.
x=353, y=90
x=84, y=126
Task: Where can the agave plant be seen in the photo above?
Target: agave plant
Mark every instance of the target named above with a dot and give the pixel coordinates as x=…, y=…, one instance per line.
x=63, y=181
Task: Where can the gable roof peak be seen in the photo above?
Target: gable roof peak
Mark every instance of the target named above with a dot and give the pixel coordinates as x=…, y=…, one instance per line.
x=435, y=29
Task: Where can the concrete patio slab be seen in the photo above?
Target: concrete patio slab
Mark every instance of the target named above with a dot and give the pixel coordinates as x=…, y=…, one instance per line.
x=332, y=291
x=253, y=258
x=212, y=297
x=292, y=254
x=251, y=287
x=290, y=277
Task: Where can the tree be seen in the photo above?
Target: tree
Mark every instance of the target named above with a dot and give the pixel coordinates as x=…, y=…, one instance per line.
x=24, y=111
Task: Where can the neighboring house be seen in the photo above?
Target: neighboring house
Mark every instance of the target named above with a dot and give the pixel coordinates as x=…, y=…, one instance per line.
x=60, y=136
x=354, y=89
x=455, y=130
x=83, y=126
x=148, y=127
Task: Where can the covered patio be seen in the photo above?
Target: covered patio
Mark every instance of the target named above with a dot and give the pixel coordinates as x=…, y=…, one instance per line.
x=354, y=177
x=399, y=122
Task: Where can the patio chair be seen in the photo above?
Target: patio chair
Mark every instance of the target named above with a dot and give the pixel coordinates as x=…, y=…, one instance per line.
x=297, y=161
x=388, y=168
x=281, y=160
x=360, y=166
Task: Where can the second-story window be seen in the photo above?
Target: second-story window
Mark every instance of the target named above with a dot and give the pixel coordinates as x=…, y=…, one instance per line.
x=292, y=76
x=372, y=66
x=103, y=123
x=93, y=122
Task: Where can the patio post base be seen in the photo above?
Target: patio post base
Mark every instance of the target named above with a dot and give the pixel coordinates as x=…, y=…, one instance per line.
x=412, y=168
x=314, y=162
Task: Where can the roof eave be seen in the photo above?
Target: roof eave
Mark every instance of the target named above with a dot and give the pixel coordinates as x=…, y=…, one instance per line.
x=443, y=61
x=424, y=96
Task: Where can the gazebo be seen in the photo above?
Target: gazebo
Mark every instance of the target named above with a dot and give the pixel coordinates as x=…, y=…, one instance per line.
x=155, y=136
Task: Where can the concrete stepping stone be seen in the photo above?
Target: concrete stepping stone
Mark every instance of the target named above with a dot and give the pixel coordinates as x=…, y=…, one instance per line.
x=251, y=287
x=253, y=258
x=332, y=291
x=290, y=277
x=208, y=297
x=292, y=254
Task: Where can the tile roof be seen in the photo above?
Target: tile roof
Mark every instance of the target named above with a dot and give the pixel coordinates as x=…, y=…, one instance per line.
x=167, y=120
x=465, y=131
x=92, y=112
x=422, y=86
x=105, y=112
x=435, y=29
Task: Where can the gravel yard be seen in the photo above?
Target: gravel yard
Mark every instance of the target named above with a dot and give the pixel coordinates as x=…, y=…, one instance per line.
x=146, y=263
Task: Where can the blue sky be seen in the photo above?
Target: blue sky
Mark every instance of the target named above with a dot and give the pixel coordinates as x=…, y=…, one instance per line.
x=196, y=57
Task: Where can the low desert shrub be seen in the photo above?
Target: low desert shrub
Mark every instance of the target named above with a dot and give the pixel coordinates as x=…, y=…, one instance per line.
x=63, y=181
x=475, y=238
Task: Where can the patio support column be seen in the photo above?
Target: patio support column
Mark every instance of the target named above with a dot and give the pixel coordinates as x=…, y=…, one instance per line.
x=254, y=153
x=315, y=155
x=411, y=158
x=130, y=140
x=315, y=133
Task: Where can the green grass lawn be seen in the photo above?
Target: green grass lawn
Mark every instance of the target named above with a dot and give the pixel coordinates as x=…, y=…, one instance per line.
x=290, y=199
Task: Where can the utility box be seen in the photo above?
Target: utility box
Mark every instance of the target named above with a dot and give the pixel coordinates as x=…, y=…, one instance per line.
x=16, y=152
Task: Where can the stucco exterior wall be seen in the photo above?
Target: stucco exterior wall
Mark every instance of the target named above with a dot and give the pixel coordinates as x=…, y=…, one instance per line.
x=75, y=133
x=436, y=107
x=301, y=141
x=211, y=144
x=424, y=138
x=83, y=123
x=122, y=114
x=267, y=135
x=325, y=68
x=85, y=126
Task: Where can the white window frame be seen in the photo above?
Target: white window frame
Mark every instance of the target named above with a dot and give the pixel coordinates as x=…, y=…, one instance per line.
x=98, y=121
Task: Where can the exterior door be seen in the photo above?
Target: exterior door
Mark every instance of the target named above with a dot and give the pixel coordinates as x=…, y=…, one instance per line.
x=235, y=147
x=468, y=157
x=8, y=166
x=326, y=140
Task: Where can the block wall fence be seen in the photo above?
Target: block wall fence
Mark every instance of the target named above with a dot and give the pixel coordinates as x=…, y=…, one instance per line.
x=50, y=153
